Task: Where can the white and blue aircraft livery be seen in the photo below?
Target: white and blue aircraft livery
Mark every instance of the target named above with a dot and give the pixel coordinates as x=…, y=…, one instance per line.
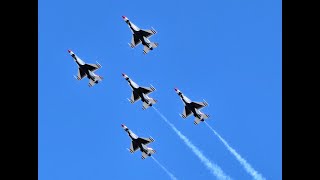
x=86, y=70
x=141, y=36
x=192, y=107
x=140, y=93
x=139, y=143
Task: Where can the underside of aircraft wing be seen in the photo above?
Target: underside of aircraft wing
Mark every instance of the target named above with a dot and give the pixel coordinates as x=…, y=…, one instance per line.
x=199, y=105
x=134, y=97
x=93, y=67
x=186, y=112
x=146, y=141
x=134, y=41
x=146, y=90
x=133, y=147
x=80, y=74
x=197, y=121
x=148, y=33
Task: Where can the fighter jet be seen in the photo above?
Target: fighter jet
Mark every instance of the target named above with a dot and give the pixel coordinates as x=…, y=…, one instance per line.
x=86, y=70
x=140, y=93
x=192, y=107
x=141, y=36
x=139, y=142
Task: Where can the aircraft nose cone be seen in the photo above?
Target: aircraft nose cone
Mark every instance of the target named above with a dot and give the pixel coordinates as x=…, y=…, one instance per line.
x=175, y=89
x=123, y=17
x=122, y=125
x=123, y=74
x=69, y=50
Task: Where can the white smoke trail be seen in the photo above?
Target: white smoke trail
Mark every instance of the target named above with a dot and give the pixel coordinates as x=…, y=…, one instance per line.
x=214, y=169
x=242, y=161
x=170, y=174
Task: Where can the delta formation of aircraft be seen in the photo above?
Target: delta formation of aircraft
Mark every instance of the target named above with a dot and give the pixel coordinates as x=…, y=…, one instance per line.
x=138, y=92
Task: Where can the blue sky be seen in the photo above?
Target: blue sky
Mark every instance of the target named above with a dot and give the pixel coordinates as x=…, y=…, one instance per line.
x=226, y=52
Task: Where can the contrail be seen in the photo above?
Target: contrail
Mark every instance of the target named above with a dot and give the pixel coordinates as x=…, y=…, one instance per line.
x=242, y=161
x=214, y=169
x=170, y=174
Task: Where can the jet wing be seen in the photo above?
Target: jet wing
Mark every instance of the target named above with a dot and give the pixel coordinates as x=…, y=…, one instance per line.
x=148, y=33
x=146, y=90
x=145, y=141
x=134, y=41
x=93, y=67
x=186, y=112
x=81, y=74
x=134, y=97
x=198, y=105
x=133, y=147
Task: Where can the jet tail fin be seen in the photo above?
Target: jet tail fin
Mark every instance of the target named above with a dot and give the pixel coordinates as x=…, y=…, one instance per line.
x=96, y=81
x=203, y=117
x=147, y=105
x=150, y=152
x=146, y=49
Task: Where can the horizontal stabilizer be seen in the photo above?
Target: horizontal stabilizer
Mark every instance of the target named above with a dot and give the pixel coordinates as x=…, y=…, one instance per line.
x=96, y=80
x=151, y=102
x=145, y=105
x=203, y=117
x=154, y=44
x=144, y=155
x=145, y=50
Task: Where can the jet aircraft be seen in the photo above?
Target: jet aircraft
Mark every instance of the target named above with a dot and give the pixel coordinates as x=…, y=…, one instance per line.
x=139, y=143
x=86, y=70
x=141, y=36
x=192, y=107
x=139, y=92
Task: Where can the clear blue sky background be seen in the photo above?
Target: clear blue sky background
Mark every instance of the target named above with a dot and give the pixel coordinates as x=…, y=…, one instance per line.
x=226, y=52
